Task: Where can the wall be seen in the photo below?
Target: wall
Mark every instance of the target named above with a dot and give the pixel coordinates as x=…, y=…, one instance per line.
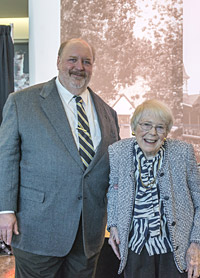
x=20, y=27
x=44, y=39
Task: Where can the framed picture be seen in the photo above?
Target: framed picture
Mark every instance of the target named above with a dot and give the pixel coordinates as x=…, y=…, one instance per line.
x=21, y=65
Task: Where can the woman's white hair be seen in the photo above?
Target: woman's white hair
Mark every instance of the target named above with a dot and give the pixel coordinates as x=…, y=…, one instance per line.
x=158, y=108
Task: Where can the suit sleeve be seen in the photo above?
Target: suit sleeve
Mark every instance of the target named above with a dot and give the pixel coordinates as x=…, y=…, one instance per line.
x=193, y=175
x=112, y=194
x=117, y=125
x=9, y=156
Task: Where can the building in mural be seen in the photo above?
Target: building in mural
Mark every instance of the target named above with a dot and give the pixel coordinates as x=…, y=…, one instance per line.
x=124, y=108
x=191, y=117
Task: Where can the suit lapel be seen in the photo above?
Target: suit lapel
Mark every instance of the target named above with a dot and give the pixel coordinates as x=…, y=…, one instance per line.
x=104, y=127
x=54, y=110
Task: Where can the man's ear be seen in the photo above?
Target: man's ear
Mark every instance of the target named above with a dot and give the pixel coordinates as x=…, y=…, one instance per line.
x=58, y=62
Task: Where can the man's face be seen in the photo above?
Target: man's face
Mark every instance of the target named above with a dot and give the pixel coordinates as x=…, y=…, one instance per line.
x=75, y=66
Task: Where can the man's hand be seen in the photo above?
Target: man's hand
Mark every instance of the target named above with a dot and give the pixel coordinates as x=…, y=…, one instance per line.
x=8, y=226
x=193, y=260
x=114, y=241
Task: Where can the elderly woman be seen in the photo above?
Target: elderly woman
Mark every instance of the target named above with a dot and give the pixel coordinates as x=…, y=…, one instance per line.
x=154, y=199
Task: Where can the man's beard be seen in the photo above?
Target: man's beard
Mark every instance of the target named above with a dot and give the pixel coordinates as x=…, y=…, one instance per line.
x=76, y=83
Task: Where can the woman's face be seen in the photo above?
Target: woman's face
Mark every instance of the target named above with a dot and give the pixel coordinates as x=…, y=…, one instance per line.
x=150, y=140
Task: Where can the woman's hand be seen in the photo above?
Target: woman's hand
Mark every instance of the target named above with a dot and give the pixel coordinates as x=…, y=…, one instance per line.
x=193, y=260
x=114, y=241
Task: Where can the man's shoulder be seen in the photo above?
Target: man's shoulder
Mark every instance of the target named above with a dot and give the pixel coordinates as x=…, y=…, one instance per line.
x=37, y=88
x=98, y=99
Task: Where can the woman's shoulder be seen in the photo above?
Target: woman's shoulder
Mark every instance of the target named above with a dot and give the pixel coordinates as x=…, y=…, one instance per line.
x=177, y=143
x=178, y=146
x=122, y=144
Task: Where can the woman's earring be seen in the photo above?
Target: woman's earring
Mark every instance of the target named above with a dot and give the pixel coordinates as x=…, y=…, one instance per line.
x=133, y=133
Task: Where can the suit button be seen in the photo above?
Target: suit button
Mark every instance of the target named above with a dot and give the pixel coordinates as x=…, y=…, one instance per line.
x=161, y=174
x=79, y=197
x=173, y=223
x=166, y=198
x=176, y=248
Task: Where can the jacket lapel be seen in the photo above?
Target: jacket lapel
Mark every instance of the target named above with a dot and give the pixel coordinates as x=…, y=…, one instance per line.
x=104, y=124
x=54, y=110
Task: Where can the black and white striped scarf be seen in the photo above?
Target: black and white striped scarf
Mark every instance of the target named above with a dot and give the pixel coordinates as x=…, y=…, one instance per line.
x=147, y=199
x=149, y=225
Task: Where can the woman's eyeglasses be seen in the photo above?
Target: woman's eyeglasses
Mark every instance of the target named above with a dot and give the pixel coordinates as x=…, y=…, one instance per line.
x=148, y=126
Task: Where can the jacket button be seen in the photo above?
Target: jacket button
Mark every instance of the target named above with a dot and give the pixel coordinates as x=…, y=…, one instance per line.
x=176, y=248
x=173, y=223
x=166, y=198
x=161, y=174
x=79, y=197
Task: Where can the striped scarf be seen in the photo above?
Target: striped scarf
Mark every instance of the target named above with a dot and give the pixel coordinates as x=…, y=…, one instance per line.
x=147, y=200
x=147, y=210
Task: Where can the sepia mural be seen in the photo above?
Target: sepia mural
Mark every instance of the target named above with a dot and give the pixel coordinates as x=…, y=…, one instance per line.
x=139, y=55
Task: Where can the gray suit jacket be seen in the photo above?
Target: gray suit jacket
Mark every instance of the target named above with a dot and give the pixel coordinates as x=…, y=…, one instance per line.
x=43, y=178
x=179, y=184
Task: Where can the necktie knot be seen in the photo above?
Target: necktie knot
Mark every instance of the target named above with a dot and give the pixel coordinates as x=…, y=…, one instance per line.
x=78, y=99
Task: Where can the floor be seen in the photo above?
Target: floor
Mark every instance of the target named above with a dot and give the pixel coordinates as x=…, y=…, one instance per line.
x=107, y=266
x=7, y=264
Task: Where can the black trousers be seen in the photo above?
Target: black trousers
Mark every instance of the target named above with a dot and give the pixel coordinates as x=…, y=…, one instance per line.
x=73, y=265
x=108, y=263
x=157, y=266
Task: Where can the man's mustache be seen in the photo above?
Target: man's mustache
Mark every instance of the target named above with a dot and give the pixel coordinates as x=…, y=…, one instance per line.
x=78, y=73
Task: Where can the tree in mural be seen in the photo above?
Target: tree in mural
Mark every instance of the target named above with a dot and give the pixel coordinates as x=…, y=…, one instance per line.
x=166, y=77
x=109, y=26
x=134, y=39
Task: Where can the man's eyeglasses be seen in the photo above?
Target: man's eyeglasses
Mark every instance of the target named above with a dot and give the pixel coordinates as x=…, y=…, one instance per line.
x=148, y=126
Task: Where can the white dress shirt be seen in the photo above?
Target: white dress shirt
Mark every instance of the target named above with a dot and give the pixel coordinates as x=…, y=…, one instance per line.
x=69, y=104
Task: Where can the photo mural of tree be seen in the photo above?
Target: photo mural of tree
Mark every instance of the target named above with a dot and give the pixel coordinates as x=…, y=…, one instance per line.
x=153, y=51
x=139, y=50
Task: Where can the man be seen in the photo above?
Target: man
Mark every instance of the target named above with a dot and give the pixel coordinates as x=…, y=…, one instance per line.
x=58, y=196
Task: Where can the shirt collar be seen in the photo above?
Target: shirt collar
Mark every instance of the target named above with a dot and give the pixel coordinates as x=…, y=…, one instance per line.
x=68, y=96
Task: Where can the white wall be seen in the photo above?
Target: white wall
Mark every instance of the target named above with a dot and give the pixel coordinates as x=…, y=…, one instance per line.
x=191, y=43
x=20, y=27
x=44, y=39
